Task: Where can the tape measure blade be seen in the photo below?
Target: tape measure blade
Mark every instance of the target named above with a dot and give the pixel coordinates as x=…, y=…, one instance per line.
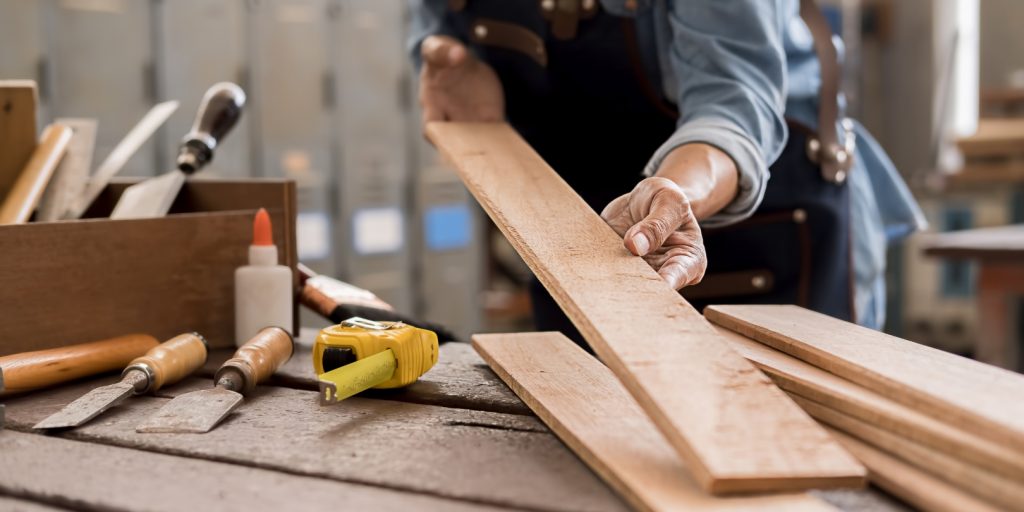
x=354, y=378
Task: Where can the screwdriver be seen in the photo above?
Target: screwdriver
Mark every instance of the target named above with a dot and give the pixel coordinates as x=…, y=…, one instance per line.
x=164, y=364
x=200, y=411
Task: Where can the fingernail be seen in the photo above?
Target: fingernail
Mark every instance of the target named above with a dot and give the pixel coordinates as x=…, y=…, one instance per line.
x=641, y=244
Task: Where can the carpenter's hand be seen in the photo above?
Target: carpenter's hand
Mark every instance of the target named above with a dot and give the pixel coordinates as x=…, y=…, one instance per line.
x=456, y=86
x=656, y=222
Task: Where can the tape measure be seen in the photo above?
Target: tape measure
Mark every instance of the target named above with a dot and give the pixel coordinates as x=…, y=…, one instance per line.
x=359, y=354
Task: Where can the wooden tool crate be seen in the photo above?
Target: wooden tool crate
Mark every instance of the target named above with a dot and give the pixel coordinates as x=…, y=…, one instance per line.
x=71, y=282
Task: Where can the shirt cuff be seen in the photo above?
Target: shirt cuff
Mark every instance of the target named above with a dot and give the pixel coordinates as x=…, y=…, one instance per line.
x=726, y=136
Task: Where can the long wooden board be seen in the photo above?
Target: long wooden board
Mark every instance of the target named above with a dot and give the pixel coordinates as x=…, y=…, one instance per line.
x=99, y=477
x=23, y=197
x=736, y=431
x=589, y=409
x=910, y=483
x=987, y=486
x=496, y=459
x=967, y=394
x=796, y=376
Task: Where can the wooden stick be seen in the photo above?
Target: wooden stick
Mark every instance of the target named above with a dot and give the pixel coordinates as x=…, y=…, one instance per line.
x=68, y=181
x=910, y=484
x=18, y=131
x=963, y=393
x=798, y=377
x=19, y=204
x=735, y=430
x=981, y=483
x=590, y=411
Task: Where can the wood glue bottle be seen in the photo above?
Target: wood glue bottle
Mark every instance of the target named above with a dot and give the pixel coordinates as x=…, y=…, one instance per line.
x=263, y=289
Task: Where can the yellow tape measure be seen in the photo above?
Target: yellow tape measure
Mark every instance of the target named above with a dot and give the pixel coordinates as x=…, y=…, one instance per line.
x=360, y=354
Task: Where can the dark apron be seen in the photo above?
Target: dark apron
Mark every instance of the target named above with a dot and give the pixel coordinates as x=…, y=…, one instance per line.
x=586, y=106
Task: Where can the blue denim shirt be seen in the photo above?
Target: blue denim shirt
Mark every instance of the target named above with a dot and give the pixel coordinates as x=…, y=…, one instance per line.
x=736, y=69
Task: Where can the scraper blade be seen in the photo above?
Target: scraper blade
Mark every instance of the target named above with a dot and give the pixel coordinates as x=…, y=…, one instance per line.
x=88, y=406
x=196, y=412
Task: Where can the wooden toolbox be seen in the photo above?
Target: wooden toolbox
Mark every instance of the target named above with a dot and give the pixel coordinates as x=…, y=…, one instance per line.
x=69, y=282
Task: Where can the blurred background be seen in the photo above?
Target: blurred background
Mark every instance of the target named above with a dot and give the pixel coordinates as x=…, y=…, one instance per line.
x=332, y=105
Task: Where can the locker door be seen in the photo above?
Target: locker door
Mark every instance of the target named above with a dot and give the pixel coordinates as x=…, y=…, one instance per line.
x=201, y=43
x=294, y=104
x=373, y=193
x=21, y=37
x=101, y=66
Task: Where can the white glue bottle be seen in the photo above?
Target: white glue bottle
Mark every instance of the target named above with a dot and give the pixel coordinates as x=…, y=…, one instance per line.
x=263, y=289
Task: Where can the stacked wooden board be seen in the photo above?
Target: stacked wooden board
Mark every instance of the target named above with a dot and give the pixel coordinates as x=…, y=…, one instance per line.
x=928, y=424
x=735, y=431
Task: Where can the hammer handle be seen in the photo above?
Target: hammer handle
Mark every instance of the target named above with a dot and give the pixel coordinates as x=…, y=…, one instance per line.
x=44, y=368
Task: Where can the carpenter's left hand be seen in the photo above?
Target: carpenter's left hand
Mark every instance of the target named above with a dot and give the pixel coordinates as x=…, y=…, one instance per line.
x=656, y=222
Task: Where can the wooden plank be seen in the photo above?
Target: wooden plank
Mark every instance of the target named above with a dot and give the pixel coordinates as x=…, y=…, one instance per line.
x=736, y=431
x=23, y=197
x=18, y=131
x=798, y=377
x=1004, y=243
x=489, y=458
x=459, y=379
x=588, y=408
x=983, y=484
x=20, y=505
x=71, y=176
x=94, y=476
x=963, y=393
x=910, y=484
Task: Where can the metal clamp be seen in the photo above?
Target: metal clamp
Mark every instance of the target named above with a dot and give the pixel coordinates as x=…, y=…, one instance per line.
x=372, y=325
x=835, y=160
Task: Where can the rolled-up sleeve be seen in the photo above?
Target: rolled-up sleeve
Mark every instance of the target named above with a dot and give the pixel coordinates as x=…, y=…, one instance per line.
x=728, y=63
x=426, y=18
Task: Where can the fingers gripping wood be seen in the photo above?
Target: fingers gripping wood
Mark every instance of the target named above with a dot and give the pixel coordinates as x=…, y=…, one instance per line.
x=42, y=368
x=260, y=357
x=172, y=360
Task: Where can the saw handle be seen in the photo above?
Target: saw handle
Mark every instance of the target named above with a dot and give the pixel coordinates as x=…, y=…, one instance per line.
x=171, y=361
x=44, y=368
x=218, y=114
x=259, y=358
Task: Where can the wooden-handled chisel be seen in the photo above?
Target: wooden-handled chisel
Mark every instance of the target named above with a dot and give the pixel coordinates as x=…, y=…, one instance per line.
x=164, y=364
x=199, y=411
x=21, y=201
x=43, y=368
x=218, y=113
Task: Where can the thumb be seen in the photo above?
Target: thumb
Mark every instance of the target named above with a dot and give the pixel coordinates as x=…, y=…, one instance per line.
x=668, y=209
x=443, y=52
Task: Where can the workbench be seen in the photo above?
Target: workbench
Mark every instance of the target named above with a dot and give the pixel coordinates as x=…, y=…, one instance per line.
x=999, y=253
x=457, y=440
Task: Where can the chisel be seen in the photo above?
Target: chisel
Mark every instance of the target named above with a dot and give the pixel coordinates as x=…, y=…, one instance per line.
x=218, y=113
x=43, y=368
x=164, y=364
x=199, y=411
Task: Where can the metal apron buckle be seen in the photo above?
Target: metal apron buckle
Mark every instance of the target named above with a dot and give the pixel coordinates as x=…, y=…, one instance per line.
x=835, y=160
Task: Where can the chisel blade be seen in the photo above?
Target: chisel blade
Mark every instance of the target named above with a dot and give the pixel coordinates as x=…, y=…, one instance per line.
x=196, y=412
x=88, y=406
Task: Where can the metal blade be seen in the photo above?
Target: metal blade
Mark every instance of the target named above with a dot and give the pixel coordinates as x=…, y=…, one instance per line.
x=88, y=406
x=196, y=412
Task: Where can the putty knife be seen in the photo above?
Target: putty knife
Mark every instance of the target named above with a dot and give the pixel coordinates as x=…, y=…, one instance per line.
x=164, y=364
x=218, y=113
x=199, y=411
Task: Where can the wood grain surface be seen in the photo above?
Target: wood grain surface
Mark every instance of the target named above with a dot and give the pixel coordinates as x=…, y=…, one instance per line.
x=1004, y=243
x=18, y=131
x=97, y=477
x=983, y=484
x=460, y=379
x=909, y=483
x=70, y=177
x=24, y=195
x=489, y=458
x=20, y=505
x=43, y=368
x=963, y=393
x=588, y=408
x=796, y=376
x=736, y=431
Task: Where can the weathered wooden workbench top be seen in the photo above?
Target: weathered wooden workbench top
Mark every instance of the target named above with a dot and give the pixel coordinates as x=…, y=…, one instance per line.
x=457, y=440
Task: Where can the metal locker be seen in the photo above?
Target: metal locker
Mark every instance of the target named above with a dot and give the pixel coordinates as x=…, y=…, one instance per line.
x=293, y=103
x=200, y=43
x=100, y=66
x=21, y=37
x=373, y=194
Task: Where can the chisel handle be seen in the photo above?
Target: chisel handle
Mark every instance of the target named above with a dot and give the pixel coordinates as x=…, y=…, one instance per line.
x=170, y=361
x=218, y=114
x=43, y=368
x=258, y=358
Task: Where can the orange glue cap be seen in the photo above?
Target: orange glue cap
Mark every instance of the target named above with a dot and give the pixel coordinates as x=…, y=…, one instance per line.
x=262, y=234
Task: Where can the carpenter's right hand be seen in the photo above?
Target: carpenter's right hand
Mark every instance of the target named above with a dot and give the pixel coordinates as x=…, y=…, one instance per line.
x=456, y=86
